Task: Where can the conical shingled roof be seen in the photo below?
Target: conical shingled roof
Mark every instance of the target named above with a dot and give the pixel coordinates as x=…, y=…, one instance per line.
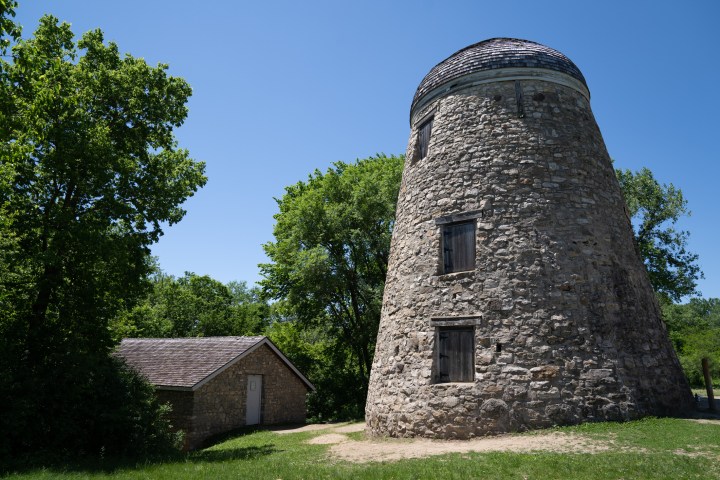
x=493, y=54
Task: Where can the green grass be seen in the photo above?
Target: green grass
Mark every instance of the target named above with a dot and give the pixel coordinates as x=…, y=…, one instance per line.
x=645, y=449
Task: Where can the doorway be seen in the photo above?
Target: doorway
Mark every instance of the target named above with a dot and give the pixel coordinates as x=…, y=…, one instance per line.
x=254, y=400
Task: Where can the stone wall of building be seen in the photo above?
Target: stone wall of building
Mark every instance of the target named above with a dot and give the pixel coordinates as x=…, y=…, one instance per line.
x=567, y=328
x=219, y=405
x=181, y=416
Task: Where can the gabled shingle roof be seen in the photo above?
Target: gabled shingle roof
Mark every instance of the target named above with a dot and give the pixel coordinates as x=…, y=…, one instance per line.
x=187, y=363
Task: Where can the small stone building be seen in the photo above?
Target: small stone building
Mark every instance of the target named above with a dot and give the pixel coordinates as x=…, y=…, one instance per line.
x=515, y=297
x=217, y=384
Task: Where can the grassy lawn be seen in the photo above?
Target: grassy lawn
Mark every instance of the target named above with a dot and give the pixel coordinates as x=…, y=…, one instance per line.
x=646, y=449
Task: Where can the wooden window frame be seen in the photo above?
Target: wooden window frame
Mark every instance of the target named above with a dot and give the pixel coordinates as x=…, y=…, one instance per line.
x=458, y=255
x=424, y=133
x=455, y=354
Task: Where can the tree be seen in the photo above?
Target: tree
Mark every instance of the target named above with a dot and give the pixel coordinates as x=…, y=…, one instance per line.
x=326, y=361
x=9, y=31
x=194, y=305
x=7, y=26
x=90, y=172
x=694, y=329
x=250, y=312
x=654, y=210
x=330, y=254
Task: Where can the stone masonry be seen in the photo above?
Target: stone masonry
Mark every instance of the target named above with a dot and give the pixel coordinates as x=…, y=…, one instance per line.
x=219, y=405
x=565, y=325
x=205, y=380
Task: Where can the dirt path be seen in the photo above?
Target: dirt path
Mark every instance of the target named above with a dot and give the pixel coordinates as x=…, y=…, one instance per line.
x=389, y=449
x=395, y=449
x=335, y=427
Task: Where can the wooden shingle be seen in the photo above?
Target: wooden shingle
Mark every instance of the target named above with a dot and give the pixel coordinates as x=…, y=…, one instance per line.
x=187, y=363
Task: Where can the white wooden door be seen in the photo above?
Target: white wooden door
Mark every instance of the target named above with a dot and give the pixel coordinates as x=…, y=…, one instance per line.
x=254, y=397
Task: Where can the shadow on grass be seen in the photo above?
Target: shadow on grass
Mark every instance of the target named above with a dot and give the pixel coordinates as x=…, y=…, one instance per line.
x=242, y=453
x=62, y=464
x=221, y=437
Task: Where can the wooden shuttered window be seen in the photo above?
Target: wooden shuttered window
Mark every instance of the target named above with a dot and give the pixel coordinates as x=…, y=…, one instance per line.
x=424, y=138
x=458, y=247
x=455, y=354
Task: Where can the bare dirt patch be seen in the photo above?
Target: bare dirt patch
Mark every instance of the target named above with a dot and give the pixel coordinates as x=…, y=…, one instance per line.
x=397, y=449
x=353, y=427
x=318, y=426
x=328, y=439
x=708, y=421
x=389, y=449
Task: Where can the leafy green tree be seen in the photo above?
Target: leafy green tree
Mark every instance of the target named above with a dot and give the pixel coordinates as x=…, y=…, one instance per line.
x=198, y=305
x=323, y=359
x=7, y=26
x=697, y=313
x=90, y=172
x=250, y=313
x=330, y=254
x=9, y=244
x=694, y=329
x=194, y=305
x=654, y=210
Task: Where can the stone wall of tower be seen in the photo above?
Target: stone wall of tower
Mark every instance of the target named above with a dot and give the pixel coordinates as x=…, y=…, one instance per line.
x=567, y=328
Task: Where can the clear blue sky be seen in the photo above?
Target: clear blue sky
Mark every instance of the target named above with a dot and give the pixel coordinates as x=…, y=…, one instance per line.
x=282, y=88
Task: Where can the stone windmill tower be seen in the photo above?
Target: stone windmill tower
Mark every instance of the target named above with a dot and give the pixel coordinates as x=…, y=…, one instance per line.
x=515, y=298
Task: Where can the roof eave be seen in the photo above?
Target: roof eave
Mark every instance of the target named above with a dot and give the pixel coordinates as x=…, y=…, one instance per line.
x=495, y=75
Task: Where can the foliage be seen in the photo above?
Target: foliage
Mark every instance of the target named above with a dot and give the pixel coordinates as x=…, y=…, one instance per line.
x=654, y=209
x=327, y=364
x=330, y=254
x=194, y=305
x=90, y=172
x=694, y=329
x=7, y=26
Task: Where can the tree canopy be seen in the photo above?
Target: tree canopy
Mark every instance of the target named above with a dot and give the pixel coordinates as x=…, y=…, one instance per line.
x=330, y=254
x=90, y=174
x=654, y=209
x=7, y=26
x=194, y=305
x=694, y=329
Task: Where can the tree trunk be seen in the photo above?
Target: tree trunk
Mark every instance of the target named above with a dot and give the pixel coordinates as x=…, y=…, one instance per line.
x=708, y=384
